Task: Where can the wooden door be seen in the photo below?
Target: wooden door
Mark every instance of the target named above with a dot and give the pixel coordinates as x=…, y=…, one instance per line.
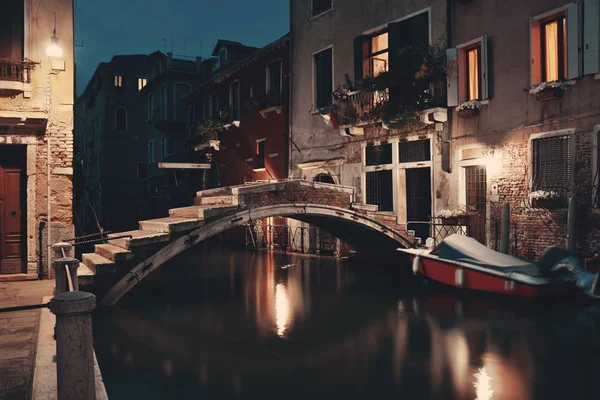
x=476, y=179
x=418, y=200
x=12, y=219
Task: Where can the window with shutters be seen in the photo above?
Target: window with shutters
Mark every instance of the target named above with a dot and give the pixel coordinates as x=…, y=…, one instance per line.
x=468, y=65
x=234, y=99
x=555, y=45
x=118, y=81
x=151, y=151
x=206, y=108
x=323, y=77
x=320, y=6
x=552, y=164
x=414, y=151
x=378, y=155
x=214, y=105
x=142, y=83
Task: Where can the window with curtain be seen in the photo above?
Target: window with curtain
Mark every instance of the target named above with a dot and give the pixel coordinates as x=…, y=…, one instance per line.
x=323, y=85
x=473, y=89
x=377, y=56
x=121, y=119
x=118, y=81
x=141, y=83
x=554, y=49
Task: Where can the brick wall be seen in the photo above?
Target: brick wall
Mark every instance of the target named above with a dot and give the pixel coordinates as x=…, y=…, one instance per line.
x=537, y=229
x=296, y=193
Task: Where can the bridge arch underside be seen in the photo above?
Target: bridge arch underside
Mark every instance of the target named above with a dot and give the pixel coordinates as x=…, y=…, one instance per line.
x=366, y=235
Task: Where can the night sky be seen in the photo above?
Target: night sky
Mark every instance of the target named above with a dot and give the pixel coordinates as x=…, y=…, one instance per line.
x=109, y=27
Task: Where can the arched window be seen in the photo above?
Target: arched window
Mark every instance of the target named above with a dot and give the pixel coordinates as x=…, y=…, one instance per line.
x=324, y=178
x=121, y=119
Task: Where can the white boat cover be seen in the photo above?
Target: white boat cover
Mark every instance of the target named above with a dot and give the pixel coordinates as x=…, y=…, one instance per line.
x=468, y=250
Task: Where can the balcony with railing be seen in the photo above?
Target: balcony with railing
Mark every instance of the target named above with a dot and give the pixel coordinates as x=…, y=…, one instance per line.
x=15, y=76
x=270, y=101
x=164, y=118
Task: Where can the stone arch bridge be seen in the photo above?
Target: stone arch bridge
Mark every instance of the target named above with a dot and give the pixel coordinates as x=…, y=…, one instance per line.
x=137, y=253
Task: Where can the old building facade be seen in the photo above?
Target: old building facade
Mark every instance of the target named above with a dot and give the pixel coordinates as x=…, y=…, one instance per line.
x=518, y=123
x=338, y=46
x=111, y=134
x=36, y=141
x=528, y=147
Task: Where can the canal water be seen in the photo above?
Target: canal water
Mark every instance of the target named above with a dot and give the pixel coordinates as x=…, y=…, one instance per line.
x=221, y=323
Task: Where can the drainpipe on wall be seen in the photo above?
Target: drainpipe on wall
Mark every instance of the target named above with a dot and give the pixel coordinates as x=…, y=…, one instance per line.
x=447, y=132
x=290, y=80
x=48, y=162
x=41, y=227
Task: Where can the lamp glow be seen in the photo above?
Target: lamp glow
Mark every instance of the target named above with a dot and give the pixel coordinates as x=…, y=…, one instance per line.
x=54, y=50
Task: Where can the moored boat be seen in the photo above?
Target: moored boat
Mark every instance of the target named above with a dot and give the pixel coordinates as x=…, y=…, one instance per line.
x=463, y=262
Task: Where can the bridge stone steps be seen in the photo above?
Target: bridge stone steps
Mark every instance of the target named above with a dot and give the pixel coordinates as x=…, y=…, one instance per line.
x=201, y=212
x=170, y=224
x=224, y=191
x=113, y=253
x=214, y=200
x=98, y=264
x=140, y=238
x=85, y=275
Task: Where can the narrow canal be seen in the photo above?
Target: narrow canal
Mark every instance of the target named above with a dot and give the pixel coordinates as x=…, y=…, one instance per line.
x=222, y=323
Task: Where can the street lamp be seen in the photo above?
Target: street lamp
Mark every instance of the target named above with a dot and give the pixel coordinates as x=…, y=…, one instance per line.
x=54, y=50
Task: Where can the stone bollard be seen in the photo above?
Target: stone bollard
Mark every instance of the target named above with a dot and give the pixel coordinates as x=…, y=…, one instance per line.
x=62, y=267
x=74, y=346
x=59, y=247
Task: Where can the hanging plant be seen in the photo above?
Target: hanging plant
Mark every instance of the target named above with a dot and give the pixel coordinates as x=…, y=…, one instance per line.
x=204, y=131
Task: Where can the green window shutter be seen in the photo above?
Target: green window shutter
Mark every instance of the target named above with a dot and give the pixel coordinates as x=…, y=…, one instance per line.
x=485, y=70
x=591, y=37
x=452, y=79
x=573, y=41
x=359, y=55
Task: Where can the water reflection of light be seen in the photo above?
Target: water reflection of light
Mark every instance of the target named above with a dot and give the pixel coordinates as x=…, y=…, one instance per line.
x=483, y=387
x=457, y=351
x=401, y=307
x=282, y=309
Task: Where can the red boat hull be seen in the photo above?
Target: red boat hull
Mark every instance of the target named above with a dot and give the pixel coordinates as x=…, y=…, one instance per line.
x=446, y=273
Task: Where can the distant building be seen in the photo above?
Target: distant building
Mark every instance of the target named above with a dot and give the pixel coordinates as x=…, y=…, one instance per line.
x=247, y=99
x=111, y=133
x=170, y=79
x=36, y=142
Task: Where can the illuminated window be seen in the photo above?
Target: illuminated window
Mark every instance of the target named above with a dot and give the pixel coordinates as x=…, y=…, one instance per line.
x=320, y=6
x=377, y=58
x=554, y=49
x=473, y=73
x=118, y=80
x=552, y=164
x=141, y=83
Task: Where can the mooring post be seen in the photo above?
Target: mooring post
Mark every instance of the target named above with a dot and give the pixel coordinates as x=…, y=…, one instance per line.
x=505, y=229
x=62, y=249
x=572, y=225
x=74, y=346
x=62, y=267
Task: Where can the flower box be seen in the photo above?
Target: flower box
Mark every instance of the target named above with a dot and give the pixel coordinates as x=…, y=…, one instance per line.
x=450, y=221
x=468, y=113
x=549, y=94
x=550, y=204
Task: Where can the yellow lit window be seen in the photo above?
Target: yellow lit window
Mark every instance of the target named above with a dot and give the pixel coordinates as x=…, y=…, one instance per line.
x=473, y=73
x=379, y=56
x=141, y=83
x=118, y=81
x=554, y=49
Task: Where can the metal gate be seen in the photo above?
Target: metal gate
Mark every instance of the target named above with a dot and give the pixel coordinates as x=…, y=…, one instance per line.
x=379, y=190
x=476, y=180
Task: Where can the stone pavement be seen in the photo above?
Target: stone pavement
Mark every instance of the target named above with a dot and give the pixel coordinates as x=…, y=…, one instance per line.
x=18, y=336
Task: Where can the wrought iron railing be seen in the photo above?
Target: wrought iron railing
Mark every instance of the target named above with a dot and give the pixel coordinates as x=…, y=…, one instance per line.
x=439, y=228
x=16, y=70
x=299, y=239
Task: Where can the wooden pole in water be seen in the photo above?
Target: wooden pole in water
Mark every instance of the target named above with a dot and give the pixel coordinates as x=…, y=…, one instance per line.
x=572, y=225
x=505, y=229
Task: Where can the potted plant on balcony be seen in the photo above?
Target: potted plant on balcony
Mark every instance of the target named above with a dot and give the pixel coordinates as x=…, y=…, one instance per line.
x=547, y=91
x=205, y=133
x=469, y=109
x=548, y=199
